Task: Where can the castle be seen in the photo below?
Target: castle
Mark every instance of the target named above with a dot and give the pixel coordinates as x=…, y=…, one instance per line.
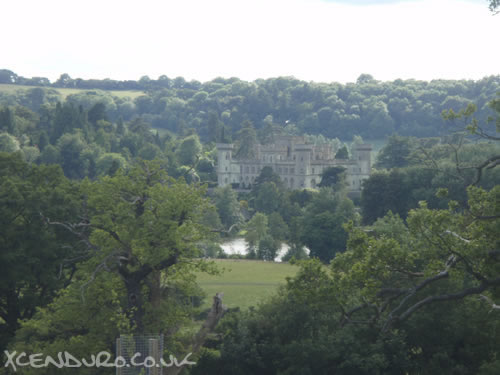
x=298, y=164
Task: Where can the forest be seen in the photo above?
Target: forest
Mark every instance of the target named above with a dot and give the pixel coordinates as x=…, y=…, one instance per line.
x=217, y=109
x=110, y=209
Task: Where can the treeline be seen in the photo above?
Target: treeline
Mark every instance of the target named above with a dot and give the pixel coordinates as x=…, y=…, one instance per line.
x=218, y=108
x=410, y=170
x=86, y=144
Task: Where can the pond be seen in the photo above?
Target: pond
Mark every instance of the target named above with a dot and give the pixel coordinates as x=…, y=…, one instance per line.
x=239, y=246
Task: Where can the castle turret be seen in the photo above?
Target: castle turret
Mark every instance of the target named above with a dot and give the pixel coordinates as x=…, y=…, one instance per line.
x=224, y=158
x=303, y=164
x=364, y=162
x=364, y=156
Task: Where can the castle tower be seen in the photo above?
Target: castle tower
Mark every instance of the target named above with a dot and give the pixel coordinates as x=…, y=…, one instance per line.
x=364, y=154
x=364, y=164
x=303, y=165
x=224, y=158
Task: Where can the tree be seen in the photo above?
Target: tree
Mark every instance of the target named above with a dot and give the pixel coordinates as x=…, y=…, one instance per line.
x=256, y=230
x=71, y=148
x=342, y=153
x=64, y=81
x=8, y=76
x=67, y=118
x=140, y=226
x=43, y=140
x=109, y=164
x=215, y=127
x=268, y=248
x=30, y=154
x=7, y=120
x=33, y=260
x=8, y=143
x=439, y=244
x=365, y=79
x=50, y=155
x=396, y=153
x=268, y=198
x=322, y=230
x=494, y=5
x=189, y=150
x=278, y=229
x=333, y=177
x=383, y=192
x=97, y=112
x=267, y=175
x=247, y=141
x=228, y=207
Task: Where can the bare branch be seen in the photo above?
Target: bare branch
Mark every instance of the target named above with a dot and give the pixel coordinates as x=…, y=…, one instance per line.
x=214, y=316
x=448, y=297
x=493, y=305
x=488, y=164
x=225, y=231
x=457, y=236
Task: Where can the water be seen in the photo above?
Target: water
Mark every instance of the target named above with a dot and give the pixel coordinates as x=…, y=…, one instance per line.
x=239, y=246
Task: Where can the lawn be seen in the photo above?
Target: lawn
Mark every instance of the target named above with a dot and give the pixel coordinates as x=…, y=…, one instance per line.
x=245, y=283
x=64, y=92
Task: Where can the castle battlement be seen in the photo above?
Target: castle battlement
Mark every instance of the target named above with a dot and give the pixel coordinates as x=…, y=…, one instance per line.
x=298, y=163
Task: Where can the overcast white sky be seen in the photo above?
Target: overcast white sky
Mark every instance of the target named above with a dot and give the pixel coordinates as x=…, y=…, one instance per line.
x=313, y=40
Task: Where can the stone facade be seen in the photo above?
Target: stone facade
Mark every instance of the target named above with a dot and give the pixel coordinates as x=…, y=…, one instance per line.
x=298, y=164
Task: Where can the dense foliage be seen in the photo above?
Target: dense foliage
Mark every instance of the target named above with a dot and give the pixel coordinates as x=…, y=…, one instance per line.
x=218, y=109
x=106, y=218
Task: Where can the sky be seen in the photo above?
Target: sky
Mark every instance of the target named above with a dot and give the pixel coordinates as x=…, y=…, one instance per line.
x=312, y=40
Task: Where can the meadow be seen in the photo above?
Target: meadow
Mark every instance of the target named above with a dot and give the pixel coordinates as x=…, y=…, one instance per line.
x=245, y=283
x=65, y=92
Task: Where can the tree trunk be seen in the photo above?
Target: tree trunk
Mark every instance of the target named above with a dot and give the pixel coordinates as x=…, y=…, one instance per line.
x=214, y=316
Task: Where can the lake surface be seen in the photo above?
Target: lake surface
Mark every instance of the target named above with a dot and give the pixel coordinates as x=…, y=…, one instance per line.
x=239, y=246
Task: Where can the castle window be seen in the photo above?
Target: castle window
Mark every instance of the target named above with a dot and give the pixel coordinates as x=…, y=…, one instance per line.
x=313, y=170
x=264, y=158
x=253, y=169
x=313, y=183
x=279, y=170
x=226, y=169
x=271, y=158
x=317, y=157
x=293, y=157
x=286, y=170
x=227, y=155
x=246, y=169
x=291, y=182
x=292, y=170
x=225, y=180
x=241, y=169
x=301, y=158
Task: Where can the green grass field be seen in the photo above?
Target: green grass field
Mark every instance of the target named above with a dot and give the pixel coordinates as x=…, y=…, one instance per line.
x=64, y=92
x=245, y=283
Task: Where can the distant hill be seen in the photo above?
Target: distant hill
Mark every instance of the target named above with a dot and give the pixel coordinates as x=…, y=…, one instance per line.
x=217, y=109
